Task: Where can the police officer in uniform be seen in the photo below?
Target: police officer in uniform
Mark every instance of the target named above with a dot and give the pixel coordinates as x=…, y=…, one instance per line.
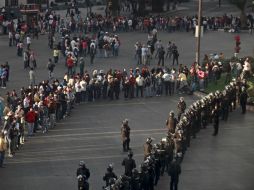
x=135, y=180
x=169, y=150
x=171, y=122
x=181, y=106
x=174, y=172
x=215, y=114
x=148, y=147
x=225, y=106
x=83, y=175
x=125, y=133
x=129, y=164
x=109, y=175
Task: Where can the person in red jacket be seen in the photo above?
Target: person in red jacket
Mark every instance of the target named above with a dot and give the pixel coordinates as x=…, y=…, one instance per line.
x=30, y=119
x=70, y=64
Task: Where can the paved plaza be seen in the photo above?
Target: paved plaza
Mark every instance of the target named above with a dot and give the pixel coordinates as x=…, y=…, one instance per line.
x=92, y=132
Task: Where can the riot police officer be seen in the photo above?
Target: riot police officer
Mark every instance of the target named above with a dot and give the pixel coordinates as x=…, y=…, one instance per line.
x=125, y=133
x=135, y=180
x=109, y=175
x=215, y=114
x=148, y=147
x=83, y=175
x=171, y=122
x=129, y=164
x=181, y=106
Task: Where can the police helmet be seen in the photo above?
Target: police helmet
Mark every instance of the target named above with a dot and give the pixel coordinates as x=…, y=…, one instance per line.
x=149, y=140
x=110, y=167
x=125, y=121
x=171, y=113
x=82, y=163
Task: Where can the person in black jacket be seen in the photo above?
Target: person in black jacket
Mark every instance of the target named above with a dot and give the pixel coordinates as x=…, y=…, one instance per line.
x=174, y=172
x=83, y=175
x=243, y=100
x=216, y=115
x=129, y=164
x=109, y=175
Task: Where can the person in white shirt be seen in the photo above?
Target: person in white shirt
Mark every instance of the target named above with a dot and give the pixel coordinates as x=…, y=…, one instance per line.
x=166, y=80
x=32, y=77
x=83, y=85
x=28, y=42
x=10, y=38
x=144, y=52
x=78, y=92
x=139, y=85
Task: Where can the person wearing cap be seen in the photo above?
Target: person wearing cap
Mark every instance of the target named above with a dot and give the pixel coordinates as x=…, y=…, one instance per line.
x=125, y=133
x=109, y=175
x=129, y=164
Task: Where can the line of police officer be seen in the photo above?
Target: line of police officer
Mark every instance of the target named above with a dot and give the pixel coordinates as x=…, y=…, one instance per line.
x=168, y=154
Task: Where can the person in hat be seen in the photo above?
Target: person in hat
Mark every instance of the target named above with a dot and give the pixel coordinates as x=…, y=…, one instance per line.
x=129, y=164
x=125, y=133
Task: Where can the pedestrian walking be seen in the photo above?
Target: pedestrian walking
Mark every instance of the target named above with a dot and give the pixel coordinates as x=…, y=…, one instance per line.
x=243, y=99
x=50, y=67
x=32, y=77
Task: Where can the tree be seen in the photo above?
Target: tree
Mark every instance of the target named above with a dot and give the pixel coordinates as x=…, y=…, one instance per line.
x=241, y=5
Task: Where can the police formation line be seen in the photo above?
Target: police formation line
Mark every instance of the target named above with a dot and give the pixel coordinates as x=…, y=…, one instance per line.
x=167, y=155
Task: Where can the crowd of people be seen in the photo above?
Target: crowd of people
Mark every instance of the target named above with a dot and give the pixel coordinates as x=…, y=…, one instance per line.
x=39, y=106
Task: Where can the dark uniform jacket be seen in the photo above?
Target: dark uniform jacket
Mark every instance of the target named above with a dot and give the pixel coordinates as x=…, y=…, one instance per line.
x=129, y=165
